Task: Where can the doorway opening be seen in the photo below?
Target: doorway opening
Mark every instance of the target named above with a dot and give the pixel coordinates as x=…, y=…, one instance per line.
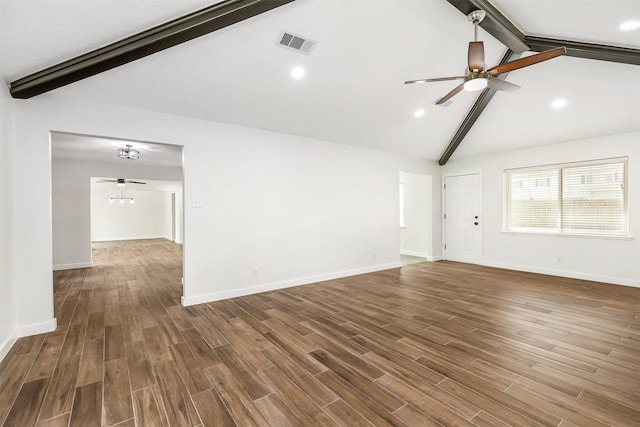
x=415, y=200
x=99, y=196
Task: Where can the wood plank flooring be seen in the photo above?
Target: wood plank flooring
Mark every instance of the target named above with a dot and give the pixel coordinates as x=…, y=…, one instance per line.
x=430, y=344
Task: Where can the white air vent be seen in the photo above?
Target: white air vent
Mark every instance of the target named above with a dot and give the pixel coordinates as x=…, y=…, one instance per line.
x=295, y=42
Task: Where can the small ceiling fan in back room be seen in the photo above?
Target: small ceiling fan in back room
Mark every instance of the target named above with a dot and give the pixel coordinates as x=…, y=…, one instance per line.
x=477, y=77
x=120, y=182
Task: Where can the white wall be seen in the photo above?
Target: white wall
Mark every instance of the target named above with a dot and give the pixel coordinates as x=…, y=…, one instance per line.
x=416, y=236
x=602, y=259
x=148, y=217
x=8, y=306
x=296, y=209
x=71, y=208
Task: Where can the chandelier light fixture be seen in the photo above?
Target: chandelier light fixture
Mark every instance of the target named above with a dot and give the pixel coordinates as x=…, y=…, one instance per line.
x=128, y=153
x=121, y=198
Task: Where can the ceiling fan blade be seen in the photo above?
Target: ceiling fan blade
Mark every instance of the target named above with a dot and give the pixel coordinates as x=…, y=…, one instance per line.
x=451, y=94
x=106, y=180
x=525, y=62
x=135, y=182
x=503, y=85
x=439, y=79
x=476, y=57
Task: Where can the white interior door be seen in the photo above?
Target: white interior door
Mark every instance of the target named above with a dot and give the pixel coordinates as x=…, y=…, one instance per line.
x=463, y=229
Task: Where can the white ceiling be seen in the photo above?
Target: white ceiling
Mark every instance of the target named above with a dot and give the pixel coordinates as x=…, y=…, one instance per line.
x=82, y=147
x=353, y=90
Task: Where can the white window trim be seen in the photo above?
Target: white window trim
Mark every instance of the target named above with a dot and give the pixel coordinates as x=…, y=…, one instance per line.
x=560, y=232
x=401, y=202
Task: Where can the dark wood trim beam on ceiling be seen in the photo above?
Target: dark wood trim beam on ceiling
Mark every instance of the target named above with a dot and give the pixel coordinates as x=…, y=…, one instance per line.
x=495, y=23
x=154, y=40
x=624, y=55
x=476, y=110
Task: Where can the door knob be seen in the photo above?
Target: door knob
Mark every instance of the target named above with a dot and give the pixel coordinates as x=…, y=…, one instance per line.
x=475, y=223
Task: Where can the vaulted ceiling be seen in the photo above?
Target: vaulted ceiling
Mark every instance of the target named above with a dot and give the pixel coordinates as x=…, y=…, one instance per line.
x=353, y=90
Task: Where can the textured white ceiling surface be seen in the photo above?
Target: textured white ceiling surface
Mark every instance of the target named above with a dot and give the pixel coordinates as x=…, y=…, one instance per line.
x=353, y=89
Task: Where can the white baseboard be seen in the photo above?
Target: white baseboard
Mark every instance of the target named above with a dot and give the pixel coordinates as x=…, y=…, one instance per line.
x=265, y=287
x=563, y=273
x=116, y=239
x=435, y=258
x=6, y=345
x=415, y=253
x=38, y=328
x=72, y=266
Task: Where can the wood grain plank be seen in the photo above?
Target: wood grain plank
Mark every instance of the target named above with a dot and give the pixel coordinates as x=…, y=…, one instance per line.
x=114, y=342
x=87, y=406
x=24, y=411
x=243, y=372
x=359, y=400
x=189, y=368
x=59, y=398
x=95, y=326
x=141, y=372
x=12, y=377
x=149, y=408
x=345, y=415
x=300, y=377
x=240, y=406
x=374, y=392
x=295, y=399
x=47, y=358
x=59, y=421
x=276, y=412
x=118, y=405
x=212, y=411
x=179, y=408
x=413, y=417
x=91, y=362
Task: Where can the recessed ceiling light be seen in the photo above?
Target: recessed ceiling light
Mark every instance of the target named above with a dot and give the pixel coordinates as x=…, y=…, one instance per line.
x=297, y=72
x=559, y=103
x=630, y=25
x=419, y=113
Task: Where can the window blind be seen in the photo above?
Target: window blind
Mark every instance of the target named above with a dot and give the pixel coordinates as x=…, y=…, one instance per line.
x=581, y=198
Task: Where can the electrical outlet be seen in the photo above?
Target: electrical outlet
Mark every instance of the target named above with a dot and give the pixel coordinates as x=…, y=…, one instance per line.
x=558, y=260
x=254, y=272
x=375, y=256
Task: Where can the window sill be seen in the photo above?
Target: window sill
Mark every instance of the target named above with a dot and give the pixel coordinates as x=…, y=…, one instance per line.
x=569, y=234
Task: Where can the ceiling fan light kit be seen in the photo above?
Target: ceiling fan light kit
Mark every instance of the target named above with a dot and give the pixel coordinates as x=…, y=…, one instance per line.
x=128, y=153
x=121, y=198
x=476, y=83
x=476, y=76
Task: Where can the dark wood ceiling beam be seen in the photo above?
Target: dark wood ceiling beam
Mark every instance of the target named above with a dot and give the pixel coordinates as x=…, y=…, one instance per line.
x=495, y=23
x=624, y=55
x=474, y=113
x=155, y=39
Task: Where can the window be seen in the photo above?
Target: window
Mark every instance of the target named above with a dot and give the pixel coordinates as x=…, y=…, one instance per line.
x=402, y=224
x=578, y=198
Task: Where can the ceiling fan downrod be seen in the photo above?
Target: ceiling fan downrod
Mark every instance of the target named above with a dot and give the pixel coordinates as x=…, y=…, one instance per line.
x=475, y=18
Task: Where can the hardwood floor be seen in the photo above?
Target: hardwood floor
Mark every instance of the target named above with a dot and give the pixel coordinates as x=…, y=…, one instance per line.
x=426, y=345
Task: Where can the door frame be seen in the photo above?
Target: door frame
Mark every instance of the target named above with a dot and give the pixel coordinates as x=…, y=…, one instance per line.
x=444, y=207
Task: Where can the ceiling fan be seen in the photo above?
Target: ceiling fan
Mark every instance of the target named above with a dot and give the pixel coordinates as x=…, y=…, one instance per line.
x=120, y=182
x=476, y=77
